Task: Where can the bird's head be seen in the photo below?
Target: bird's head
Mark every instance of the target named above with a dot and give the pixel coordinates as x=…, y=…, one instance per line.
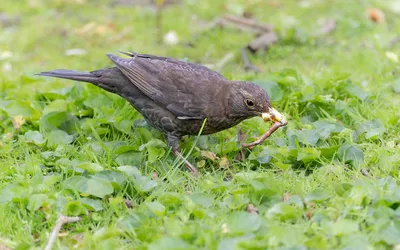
x=249, y=100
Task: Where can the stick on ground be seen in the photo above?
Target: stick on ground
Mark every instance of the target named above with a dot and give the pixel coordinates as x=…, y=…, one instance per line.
x=62, y=219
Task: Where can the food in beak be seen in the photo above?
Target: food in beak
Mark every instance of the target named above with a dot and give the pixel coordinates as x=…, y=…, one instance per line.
x=273, y=115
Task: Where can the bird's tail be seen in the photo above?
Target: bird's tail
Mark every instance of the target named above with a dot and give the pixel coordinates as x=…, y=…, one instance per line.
x=111, y=79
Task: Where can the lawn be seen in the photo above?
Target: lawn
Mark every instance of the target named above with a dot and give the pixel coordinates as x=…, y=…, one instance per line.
x=328, y=180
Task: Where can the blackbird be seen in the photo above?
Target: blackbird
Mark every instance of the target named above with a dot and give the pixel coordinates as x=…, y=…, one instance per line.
x=176, y=97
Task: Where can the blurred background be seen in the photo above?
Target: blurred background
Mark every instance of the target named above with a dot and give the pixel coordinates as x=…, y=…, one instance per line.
x=312, y=34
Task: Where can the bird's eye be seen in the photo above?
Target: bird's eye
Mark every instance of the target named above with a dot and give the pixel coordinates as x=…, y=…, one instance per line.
x=249, y=103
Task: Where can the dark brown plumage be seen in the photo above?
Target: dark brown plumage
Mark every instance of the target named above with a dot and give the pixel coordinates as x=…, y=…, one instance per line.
x=175, y=97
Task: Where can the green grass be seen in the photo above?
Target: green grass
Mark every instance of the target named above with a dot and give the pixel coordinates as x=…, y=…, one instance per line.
x=329, y=180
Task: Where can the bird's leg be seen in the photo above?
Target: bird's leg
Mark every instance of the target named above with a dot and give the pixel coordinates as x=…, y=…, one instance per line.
x=173, y=142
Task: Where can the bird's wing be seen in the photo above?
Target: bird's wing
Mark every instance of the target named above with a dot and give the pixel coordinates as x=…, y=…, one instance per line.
x=186, y=89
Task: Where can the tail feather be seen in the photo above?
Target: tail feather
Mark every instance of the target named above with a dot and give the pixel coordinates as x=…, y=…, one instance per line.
x=71, y=75
x=110, y=79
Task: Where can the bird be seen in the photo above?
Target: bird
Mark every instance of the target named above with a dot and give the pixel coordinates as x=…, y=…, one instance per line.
x=176, y=97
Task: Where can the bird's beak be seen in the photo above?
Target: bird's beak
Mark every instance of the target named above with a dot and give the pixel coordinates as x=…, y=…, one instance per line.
x=273, y=115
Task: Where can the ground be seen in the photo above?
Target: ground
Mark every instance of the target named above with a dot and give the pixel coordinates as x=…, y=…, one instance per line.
x=329, y=180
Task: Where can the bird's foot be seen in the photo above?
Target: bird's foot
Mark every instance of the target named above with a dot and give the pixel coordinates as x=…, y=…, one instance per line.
x=188, y=165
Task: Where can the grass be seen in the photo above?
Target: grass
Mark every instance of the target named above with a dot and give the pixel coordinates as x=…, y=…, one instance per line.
x=329, y=180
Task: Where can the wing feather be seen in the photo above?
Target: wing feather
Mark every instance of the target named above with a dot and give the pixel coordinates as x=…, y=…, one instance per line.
x=183, y=88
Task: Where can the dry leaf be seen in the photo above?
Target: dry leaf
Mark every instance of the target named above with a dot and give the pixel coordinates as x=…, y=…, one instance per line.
x=224, y=163
x=86, y=28
x=251, y=209
x=286, y=197
x=209, y=155
x=63, y=234
x=155, y=175
x=375, y=15
x=18, y=121
x=308, y=214
x=128, y=203
x=78, y=237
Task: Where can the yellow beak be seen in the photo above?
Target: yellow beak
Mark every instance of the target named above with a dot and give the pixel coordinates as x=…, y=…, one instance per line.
x=273, y=115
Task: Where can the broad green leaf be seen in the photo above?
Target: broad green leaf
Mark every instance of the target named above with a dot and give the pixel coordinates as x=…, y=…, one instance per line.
x=265, y=155
x=153, y=143
x=57, y=137
x=340, y=106
x=154, y=154
x=308, y=93
x=326, y=127
x=9, y=192
x=130, y=170
x=156, y=208
x=344, y=226
x=328, y=152
x=243, y=222
x=76, y=183
x=91, y=204
x=308, y=154
x=272, y=88
x=141, y=183
x=355, y=241
x=75, y=208
x=131, y=157
x=231, y=243
x=170, y=199
x=60, y=121
x=284, y=212
x=391, y=234
x=36, y=201
x=308, y=136
x=99, y=187
x=58, y=105
x=116, y=178
x=169, y=243
x=202, y=199
x=351, y=153
x=97, y=101
x=18, y=107
x=35, y=137
x=90, y=167
x=318, y=195
x=356, y=91
x=372, y=128
x=144, y=183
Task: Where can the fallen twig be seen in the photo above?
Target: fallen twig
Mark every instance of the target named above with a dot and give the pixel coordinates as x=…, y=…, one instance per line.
x=248, y=23
x=266, y=134
x=246, y=61
x=62, y=219
x=262, y=42
x=264, y=32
